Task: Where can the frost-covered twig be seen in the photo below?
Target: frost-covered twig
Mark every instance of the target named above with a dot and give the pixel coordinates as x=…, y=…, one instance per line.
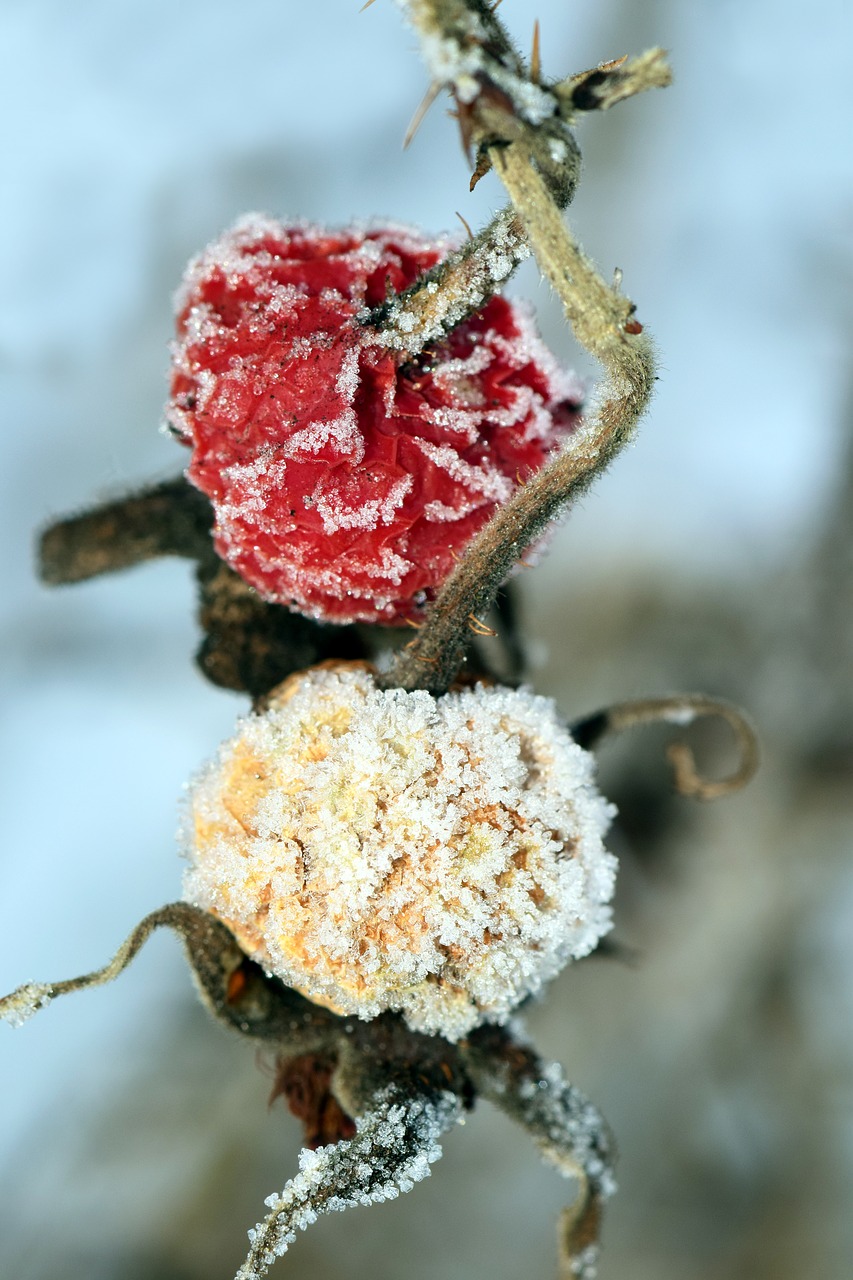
x=396, y=1141
x=443, y=297
x=500, y=101
x=565, y=1126
x=679, y=709
x=512, y=118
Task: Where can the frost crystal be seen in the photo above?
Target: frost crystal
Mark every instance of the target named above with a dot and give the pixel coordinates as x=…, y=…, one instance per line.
x=345, y=477
x=23, y=1003
x=395, y=1143
x=380, y=849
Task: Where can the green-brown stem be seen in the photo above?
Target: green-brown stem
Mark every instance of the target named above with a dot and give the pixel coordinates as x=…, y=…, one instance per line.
x=602, y=320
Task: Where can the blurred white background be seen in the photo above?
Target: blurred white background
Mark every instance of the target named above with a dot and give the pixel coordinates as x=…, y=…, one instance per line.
x=135, y=1141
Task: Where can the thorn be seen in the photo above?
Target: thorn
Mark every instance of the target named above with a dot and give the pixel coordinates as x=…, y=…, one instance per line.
x=481, y=168
x=366, y=5
x=454, y=556
x=613, y=64
x=425, y=104
x=478, y=627
x=524, y=563
x=410, y=622
x=465, y=225
x=496, y=6
x=535, y=59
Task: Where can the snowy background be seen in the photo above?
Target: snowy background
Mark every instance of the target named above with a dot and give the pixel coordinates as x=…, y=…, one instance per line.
x=135, y=1140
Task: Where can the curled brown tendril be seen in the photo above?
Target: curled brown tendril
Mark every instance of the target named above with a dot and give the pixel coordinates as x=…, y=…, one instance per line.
x=679, y=709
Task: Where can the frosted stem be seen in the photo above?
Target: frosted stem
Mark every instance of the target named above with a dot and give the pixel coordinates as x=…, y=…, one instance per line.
x=395, y=1143
x=497, y=103
x=520, y=126
x=442, y=298
x=568, y=1130
x=602, y=319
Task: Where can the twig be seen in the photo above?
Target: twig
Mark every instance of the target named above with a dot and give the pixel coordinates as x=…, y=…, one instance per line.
x=466, y=48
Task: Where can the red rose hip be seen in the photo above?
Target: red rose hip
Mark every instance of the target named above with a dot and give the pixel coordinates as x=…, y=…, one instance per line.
x=345, y=481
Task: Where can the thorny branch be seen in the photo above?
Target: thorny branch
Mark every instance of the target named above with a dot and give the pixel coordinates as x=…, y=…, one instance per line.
x=395, y=1091
x=513, y=120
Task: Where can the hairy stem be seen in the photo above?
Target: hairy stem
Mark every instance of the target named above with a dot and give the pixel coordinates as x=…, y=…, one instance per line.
x=171, y=518
x=602, y=319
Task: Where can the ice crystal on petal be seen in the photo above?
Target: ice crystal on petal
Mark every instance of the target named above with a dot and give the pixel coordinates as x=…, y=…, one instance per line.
x=380, y=849
x=345, y=478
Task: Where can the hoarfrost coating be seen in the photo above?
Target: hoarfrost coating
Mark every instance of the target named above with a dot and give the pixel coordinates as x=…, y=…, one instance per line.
x=379, y=849
x=347, y=478
x=395, y=1144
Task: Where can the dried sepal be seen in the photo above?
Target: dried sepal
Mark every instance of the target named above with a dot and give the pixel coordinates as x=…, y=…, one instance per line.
x=568, y=1130
x=250, y=644
x=604, y=86
x=680, y=709
x=236, y=991
x=396, y=1141
x=442, y=298
x=304, y=1081
x=168, y=519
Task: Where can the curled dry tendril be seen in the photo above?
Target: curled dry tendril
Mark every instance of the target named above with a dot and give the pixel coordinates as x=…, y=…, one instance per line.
x=679, y=709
